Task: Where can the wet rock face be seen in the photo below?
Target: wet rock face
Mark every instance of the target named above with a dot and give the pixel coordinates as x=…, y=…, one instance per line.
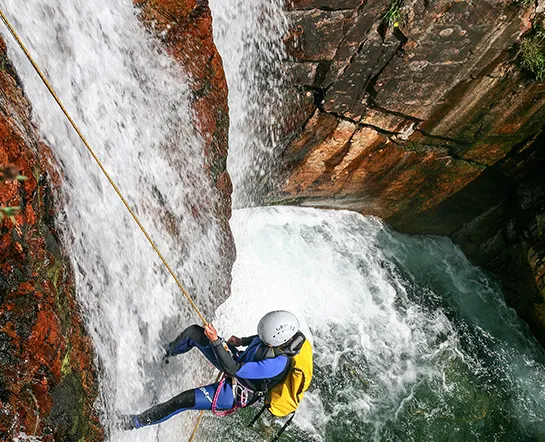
x=44, y=349
x=48, y=382
x=185, y=29
x=429, y=124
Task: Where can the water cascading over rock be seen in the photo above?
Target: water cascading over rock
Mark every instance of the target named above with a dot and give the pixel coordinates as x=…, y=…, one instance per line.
x=47, y=377
x=163, y=138
x=419, y=112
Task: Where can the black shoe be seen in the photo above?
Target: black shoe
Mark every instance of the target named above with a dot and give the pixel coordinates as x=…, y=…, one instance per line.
x=166, y=355
x=129, y=422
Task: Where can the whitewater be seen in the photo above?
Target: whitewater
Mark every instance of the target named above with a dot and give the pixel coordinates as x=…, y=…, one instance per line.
x=411, y=341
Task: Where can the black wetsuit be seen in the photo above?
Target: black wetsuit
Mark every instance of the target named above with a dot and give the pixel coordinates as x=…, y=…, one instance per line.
x=257, y=368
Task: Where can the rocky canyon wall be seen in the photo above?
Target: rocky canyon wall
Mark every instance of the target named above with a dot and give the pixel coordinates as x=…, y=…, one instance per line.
x=185, y=30
x=48, y=382
x=47, y=377
x=418, y=111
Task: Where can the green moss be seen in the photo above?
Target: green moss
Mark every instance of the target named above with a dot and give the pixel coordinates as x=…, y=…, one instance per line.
x=9, y=212
x=65, y=366
x=540, y=224
x=71, y=411
x=539, y=312
x=50, y=271
x=67, y=414
x=532, y=53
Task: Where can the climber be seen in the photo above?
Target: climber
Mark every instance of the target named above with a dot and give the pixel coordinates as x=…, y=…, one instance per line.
x=248, y=374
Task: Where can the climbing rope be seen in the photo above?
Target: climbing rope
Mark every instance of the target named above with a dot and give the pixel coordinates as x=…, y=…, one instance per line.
x=201, y=414
x=54, y=95
x=197, y=423
x=111, y=181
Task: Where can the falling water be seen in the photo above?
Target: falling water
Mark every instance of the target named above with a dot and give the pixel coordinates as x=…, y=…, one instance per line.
x=411, y=341
x=249, y=35
x=132, y=103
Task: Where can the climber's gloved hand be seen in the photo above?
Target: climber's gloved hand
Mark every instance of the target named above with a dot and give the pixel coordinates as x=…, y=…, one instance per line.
x=234, y=340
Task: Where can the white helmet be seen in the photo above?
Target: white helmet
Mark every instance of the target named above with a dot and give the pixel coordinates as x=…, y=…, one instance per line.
x=277, y=328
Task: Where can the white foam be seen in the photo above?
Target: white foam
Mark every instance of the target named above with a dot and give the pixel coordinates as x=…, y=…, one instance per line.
x=131, y=101
x=249, y=36
x=382, y=310
x=387, y=313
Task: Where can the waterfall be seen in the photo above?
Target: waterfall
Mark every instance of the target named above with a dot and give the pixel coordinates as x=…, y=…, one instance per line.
x=132, y=103
x=411, y=341
x=249, y=35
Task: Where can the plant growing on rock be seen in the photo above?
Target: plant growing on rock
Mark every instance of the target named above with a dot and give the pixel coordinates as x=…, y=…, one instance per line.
x=9, y=212
x=532, y=53
x=393, y=15
x=10, y=173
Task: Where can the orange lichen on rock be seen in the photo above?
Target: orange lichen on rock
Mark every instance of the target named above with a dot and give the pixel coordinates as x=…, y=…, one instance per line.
x=185, y=28
x=37, y=308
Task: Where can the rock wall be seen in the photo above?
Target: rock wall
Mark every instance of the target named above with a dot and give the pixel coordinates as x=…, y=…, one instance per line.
x=416, y=111
x=47, y=377
x=185, y=29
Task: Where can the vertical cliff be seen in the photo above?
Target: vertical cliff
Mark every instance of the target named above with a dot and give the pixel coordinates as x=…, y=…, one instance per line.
x=420, y=112
x=185, y=29
x=47, y=377
x=48, y=383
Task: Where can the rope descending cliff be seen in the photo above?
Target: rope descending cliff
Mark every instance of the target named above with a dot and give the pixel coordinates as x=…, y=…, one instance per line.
x=102, y=168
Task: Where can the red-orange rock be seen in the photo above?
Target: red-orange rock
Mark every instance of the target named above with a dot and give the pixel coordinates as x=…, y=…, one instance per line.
x=185, y=29
x=41, y=372
x=35, y=328
x=430, y=125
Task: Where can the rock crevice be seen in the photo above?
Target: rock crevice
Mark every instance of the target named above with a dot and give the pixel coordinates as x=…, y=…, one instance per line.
x=428, y=123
